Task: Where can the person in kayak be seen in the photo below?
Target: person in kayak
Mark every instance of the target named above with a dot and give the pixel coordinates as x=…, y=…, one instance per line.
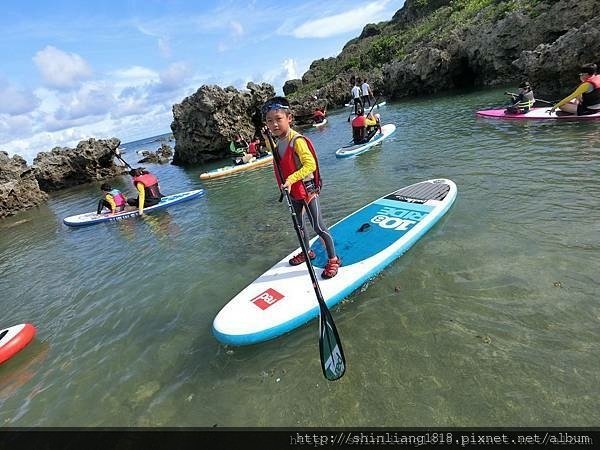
x=300, y=169
x=146, y=184
x=238, y=149
x=318, y=115
x=523, y=101
x=586, y=98
x=112, y=199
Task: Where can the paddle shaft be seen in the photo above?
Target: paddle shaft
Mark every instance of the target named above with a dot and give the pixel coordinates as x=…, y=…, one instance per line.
x=326, y=319
x=537, y=99
x=122, y=160
x=372, y=106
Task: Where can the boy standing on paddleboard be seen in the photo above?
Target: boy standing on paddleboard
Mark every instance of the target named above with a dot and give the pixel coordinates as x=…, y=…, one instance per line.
x=300, y=170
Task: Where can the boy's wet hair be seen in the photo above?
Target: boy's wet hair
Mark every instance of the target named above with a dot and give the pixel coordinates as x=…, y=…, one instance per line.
x=106, y=187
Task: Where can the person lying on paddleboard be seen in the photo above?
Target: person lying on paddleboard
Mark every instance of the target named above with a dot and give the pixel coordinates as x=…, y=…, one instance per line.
x=146, y=184
x=522, y=101
x=586, y=98
x=113, y=199
x=300, y=169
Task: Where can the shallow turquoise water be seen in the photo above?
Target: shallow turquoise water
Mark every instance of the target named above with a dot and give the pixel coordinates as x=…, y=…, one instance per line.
x=491, y=319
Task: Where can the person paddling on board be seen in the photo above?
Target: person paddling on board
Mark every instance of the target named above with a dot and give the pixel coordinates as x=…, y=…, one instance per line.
x=359, y=127
x=146, y=184
x=300, y=169
x=356, y=96
x=318, y=115
x=586, y=98
x=372, y=126
x=367, y=93
x=113, y=199
x=523, y=101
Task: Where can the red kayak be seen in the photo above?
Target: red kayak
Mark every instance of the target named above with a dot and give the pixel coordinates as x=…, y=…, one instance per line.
x=15, y=339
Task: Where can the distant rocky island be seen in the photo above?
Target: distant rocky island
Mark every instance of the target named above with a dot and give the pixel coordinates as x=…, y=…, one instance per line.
x=429, y=46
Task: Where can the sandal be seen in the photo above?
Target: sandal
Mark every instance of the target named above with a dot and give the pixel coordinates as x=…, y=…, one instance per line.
x=331, y=269
x=299, y=258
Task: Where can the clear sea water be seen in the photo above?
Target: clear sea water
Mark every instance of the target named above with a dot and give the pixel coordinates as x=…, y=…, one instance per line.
x=491, y=319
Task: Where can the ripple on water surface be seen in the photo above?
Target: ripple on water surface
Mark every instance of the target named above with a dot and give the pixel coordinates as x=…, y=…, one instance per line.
x=489, y=320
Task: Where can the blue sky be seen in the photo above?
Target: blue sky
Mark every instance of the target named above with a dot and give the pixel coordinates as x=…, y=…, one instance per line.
x=72, y=70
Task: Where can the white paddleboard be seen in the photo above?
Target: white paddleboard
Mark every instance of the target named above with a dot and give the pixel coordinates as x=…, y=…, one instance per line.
x=367, y=241
x=356, y=149
x=92, y=218
x=230, y=170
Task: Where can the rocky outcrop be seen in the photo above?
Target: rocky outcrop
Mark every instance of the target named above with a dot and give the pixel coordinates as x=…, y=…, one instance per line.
x=161, y=156
x=292, y=86
x=206, y=122
x=431, y=46
x=561, y=59
x=19, y=190
x=545, y=44
x=91, y=160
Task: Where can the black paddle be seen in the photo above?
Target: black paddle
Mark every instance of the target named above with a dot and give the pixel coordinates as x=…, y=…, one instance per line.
x=333, y=362
x=117, y=152
x=536, y=99
x=372, y=106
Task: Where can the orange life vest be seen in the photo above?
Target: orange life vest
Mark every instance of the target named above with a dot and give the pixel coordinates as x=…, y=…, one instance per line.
x=150, y=183
x=359, y=121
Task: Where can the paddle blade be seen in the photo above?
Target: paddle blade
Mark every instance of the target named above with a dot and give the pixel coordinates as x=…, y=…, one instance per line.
x=333, y=362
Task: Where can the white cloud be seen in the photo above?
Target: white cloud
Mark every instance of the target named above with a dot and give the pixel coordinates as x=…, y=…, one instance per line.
x=352, y=20
x=164, y=47
x=174, y=75
x=90, y=100
x=60, y=69
x=237, y=28
x=15, y=126
x=134, y=76
x=287, y=70
x=234, y=36
x=291, y=69
x=16, y=101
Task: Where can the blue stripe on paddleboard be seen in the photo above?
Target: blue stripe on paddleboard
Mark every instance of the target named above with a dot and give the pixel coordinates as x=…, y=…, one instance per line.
x=411, y=206
x=381, y=224
x=253, y=338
